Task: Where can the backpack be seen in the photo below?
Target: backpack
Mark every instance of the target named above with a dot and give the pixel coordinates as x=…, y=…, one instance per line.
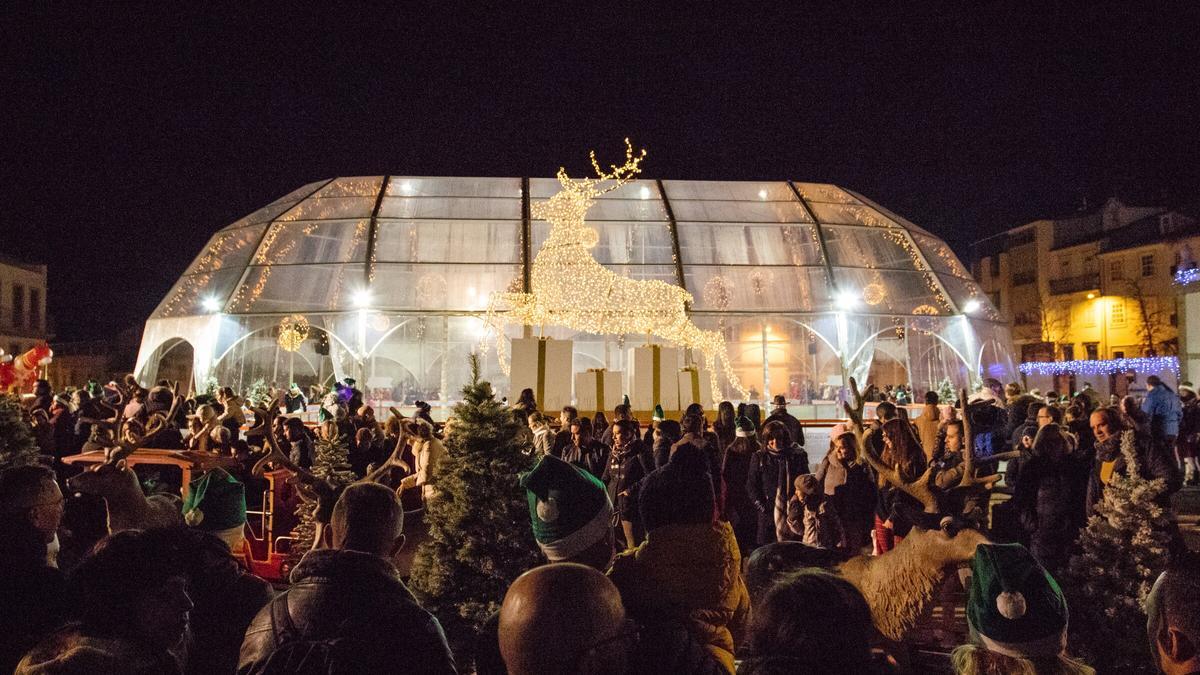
x=989, y=443
x=349, y=651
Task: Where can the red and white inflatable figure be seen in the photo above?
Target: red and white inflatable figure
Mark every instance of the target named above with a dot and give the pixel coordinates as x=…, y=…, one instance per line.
x=23, y=370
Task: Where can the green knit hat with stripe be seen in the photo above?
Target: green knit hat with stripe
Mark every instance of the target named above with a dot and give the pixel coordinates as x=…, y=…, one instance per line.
x=215, y=501
x=1014, y=606
x=569, y=508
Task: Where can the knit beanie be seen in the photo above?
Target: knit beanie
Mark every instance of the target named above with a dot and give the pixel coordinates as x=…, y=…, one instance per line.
x=1014, y=607
x=569, y=508
x=807, y=484
x=679, y=493
x=745, y=427
x=159, y=399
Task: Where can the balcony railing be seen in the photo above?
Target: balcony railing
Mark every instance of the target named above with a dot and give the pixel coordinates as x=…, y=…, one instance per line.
x=1083, y=282
x=1023, y=278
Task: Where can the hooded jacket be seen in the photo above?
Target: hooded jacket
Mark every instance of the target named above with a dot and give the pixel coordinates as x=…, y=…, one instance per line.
x=689, y=573
x=427, y=454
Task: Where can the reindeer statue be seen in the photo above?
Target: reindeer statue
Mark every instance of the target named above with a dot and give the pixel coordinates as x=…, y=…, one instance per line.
x=128, y=506
x=899, y=583
x=569, y=288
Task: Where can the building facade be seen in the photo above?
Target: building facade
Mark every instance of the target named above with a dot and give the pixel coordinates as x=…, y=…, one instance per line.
x=22, y=305
x=1099, y=285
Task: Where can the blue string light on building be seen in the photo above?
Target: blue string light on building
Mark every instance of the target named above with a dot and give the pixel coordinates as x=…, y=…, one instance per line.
x=1186, y=277
x=1147, y=365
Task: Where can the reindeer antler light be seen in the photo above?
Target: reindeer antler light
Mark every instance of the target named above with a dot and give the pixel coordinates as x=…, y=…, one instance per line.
x=569, y=288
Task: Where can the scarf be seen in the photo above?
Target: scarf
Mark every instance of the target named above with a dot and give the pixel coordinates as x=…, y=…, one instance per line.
x=836, y=475
x=783, y=492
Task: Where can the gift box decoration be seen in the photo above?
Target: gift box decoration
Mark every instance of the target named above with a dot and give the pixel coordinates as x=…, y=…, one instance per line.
x=654, y=378
x=598, y=389
x=543, y=365
x=695, y=386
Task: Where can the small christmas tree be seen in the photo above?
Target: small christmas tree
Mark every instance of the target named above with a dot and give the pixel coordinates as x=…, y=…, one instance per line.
x=1122, y=551
x=946, y=393
x=17, y=444
x=331, y=464
x=258, y=393
x=480, y=537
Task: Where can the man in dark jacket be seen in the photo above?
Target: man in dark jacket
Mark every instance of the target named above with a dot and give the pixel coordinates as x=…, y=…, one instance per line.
x=32, y=591
x=352, y=594
x=1152, y=461
x=562, y=439
x=779, y=413
x=584, y=451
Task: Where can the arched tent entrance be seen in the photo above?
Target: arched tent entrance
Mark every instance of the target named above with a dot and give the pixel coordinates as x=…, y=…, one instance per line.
x=172, y=360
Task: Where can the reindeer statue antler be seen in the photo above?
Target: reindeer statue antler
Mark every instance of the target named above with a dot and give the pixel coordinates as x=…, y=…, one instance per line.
x=569, y=288
x=899, y=583
x=922, y=488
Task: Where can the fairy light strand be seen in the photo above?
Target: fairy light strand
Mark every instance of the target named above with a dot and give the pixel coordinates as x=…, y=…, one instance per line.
x=1145, y=365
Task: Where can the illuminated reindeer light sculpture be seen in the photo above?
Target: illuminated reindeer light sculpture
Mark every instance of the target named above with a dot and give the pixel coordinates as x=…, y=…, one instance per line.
x=569, y=288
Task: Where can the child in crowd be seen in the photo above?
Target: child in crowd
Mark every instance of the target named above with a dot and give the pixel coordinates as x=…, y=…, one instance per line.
x=811, y=519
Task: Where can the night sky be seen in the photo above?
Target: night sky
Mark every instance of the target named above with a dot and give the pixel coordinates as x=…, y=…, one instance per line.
x=130, y=135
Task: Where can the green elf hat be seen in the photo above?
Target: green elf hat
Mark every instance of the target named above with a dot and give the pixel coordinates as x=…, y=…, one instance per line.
x=625, y=400
x=569, y=508
x=1014, y=607
x=744, y=427
x=659, y=415
x=216, y=501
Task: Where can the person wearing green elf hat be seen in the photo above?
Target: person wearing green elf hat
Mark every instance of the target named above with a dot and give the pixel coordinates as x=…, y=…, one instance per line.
x=570, y=512
x=1017, y=616
x=655, y=418
x=216, y=503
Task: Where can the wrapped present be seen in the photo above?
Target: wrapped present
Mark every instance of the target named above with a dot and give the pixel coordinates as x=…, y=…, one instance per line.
x=543, y=365
x=598, y=389
x=695, y=386
x=654, y=379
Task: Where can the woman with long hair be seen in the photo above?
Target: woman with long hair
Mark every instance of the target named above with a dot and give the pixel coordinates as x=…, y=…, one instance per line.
x=725, y=425
x=599, y=424
x=899, y=450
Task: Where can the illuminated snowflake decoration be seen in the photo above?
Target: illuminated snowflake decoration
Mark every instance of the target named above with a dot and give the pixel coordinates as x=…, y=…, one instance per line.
x=293, y=331
x=717, y=293
x=873, y=294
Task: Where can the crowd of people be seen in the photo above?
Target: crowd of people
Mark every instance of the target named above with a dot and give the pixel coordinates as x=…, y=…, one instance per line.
x=686, y=546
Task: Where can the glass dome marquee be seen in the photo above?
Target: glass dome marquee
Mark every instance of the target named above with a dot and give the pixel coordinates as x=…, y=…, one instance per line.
x=809, y=283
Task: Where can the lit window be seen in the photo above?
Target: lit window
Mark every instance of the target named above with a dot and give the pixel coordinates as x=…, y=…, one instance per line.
x=1148, y=265
x=1118, y=312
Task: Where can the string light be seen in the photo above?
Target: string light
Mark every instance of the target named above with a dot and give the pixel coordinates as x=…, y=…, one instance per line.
x=570, y=288
x=1144, y=365
x=1188, y=276
x=293, y=331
